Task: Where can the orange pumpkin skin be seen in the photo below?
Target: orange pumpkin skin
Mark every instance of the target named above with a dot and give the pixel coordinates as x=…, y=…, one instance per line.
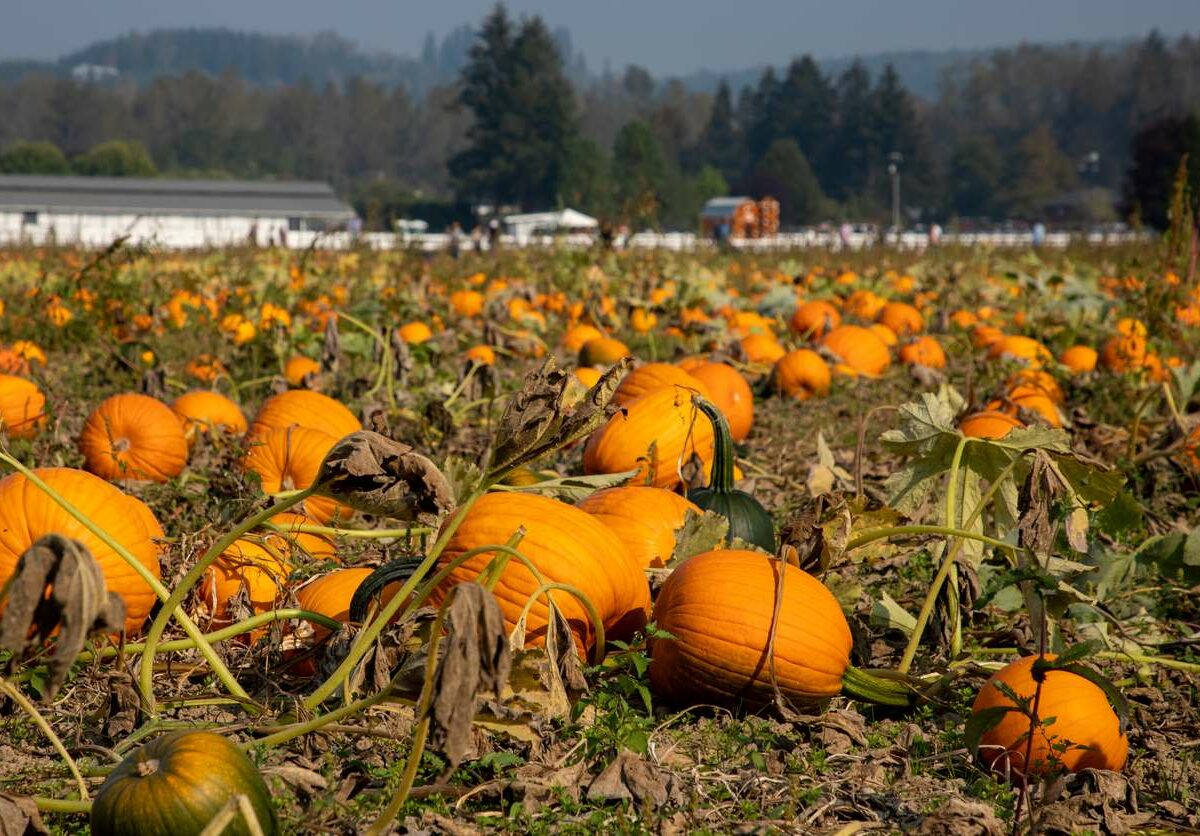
x=644, y=519
x=858, y=348
x=1036, y=380
x=1021, y=349
x=566, y=545
x=646, y=378
x=298, y=367
x=803, y=374
x=719, y=606
x=924, y=351
x=988, y=424
x=1124, y=353
x=730, y=392
x=602, y=351
x=134, y=437
x=1080, y=359
x=577, y=335
x=289, y=459
x=762, y=348
x=467, y=303
x=27, y=514
x=1083, y=722
x=985, y=336
x=664, y=418
x=588, y=376
x=302, y=543
x=302, y=408
x=885, y=334
x=812, y=320
x=244, y=566
x=22, y=407
x=203, y=412
x=903, y=319
x=1034, y=400
x=330, y=595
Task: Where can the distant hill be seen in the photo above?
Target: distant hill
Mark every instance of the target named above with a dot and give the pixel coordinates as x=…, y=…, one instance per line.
x=272, y=60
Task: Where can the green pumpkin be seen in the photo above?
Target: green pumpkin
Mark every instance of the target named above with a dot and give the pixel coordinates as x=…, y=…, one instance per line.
x=748, y=520
x=176, y=784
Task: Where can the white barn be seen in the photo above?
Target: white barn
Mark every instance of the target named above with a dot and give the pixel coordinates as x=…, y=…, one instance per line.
x=94, y=211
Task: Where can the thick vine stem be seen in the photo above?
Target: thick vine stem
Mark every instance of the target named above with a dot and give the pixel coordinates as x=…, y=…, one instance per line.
x=174, y=603
x=951, y=521
x=218, y=667
x=879, y=690
x=14, y=694
x=873, y=534
x=62, y=805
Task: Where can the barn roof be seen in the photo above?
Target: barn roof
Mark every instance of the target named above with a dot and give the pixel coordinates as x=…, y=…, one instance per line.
x=152, y=196
x=722, y=207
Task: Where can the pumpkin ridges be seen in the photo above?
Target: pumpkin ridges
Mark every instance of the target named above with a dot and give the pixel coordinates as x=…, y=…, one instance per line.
x=730, y=392
x=22, y=407
x=133, y=436
x=305, y=408
x=290, y=458
x=645, y=519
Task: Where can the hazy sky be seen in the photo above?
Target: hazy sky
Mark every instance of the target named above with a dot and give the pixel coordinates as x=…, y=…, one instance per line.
x=675, y=36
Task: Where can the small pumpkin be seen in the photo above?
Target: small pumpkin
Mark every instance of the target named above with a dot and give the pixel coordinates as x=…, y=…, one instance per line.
x=301, y=543
x=1025, y=350
x=814, y=319
x=298, y=368
x=989, y=424
x=22, y=407
x=802, y=373
x=577, y=335
x=1124, y=353
x=203, y=412
x=177, y=784
x=748, y=520
x=1080, y=359
x=761, y=348
x=860, y=349
x=719, y=607
x=415, y=333
x=245, y=568
x=602, y=351
x=644, y=519
x=136, y=437
x=903, y=319
x=923, y=351
x=566, y=545
x=330, y=595
x=1076, y=726
x=654, y=435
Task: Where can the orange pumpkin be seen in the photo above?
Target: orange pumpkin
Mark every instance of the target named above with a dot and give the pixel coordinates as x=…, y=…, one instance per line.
x=985, y=336
x=646, y=378
x=133, y=437
x=298, y=542
x=903, y=319
x=989, y=424
x=761, y=348
x=730, y=392
x=1024, y=350
x=330, y=595
x=1076, y=728
x=467, y=303
x=859, y=349
x=27, y=514
x=719, y=606
x=203, y=412
x=588, y=376
x=602, y=351
x=802, y=374
x=289, y=459
x=812, y=320
x=1124, y=353
x=1037, y=379
x=887, y=335
x=578, y=335
x=22, y=407
x=924, y=351
x=302, y=408
x=298, y=367
x=245, y=568
x=664, y=420
x=567, y=546
x=415, y=333
x=644, y=519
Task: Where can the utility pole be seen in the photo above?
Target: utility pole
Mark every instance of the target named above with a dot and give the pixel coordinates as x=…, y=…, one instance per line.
x=894, y=160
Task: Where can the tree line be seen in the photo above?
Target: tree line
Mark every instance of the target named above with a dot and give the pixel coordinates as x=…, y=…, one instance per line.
x=1066, y=132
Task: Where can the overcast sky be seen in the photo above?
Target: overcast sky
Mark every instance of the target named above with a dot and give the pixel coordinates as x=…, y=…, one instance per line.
x=666, y=36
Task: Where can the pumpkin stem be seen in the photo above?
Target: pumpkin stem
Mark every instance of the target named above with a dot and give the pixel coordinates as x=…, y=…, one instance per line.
x=400, y=569
x=721, y=478
x=880, y=690
x=149, y=767
x=121, y=445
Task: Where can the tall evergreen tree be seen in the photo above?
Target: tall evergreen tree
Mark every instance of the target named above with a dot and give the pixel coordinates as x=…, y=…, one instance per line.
x=762, y=123
x=721, y=144
x=640, y=173
x=805, y=109
x=785, y=174
x=974, y=175
x=853, y=169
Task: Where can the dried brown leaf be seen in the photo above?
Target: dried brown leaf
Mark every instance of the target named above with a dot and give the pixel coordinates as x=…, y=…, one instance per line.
x=372, y=473
x=475, y=660
x=19, y=816
x=331, y=349
x=78, y=604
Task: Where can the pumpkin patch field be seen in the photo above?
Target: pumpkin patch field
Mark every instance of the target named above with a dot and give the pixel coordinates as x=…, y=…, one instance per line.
x=566, y=540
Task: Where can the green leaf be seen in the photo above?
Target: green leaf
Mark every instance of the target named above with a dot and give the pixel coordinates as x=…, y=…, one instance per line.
x=1089, y=483
x=1122, y=515
x=981, y=722
x=575, y=488
x=699, y=533
x=1187, y=378
x=888, y=614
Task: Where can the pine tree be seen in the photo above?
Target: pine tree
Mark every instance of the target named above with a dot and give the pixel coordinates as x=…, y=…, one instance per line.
x=721, y=144
x=784, y=173
x=639, y=172
x=858, y=154
x=805, y=106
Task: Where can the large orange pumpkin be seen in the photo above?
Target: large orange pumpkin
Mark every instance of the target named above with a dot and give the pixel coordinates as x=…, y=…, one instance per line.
x=245, y=568
x=802, y=374
x=22, y=406
x=135, y=437
x=719, y=607
x=289, y=459
x=203, y=412
x=651, y=376
x=602, y=351
x=302, y=408
x=27, y=514
x=664, y=420
x=903, y=319
x=644, y=519
x=730, y=392
x=1076, y=728
x=859, y=349
x=567, y=546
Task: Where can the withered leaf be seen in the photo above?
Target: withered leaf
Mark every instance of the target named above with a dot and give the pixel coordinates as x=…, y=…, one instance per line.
x=541, y=417
x=630, y=778
x=78, y=604
x=699, y=533
x=19, y=816
x=475, y=661
x=372, y=473
x=331, y=349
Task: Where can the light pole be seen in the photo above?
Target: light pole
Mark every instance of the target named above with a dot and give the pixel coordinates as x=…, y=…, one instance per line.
x=894, y=160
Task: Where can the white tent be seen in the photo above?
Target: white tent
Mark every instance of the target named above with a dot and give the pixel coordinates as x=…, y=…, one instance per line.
x=549, y=223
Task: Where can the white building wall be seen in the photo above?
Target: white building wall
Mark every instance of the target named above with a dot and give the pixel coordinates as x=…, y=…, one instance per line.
x=170, y=231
